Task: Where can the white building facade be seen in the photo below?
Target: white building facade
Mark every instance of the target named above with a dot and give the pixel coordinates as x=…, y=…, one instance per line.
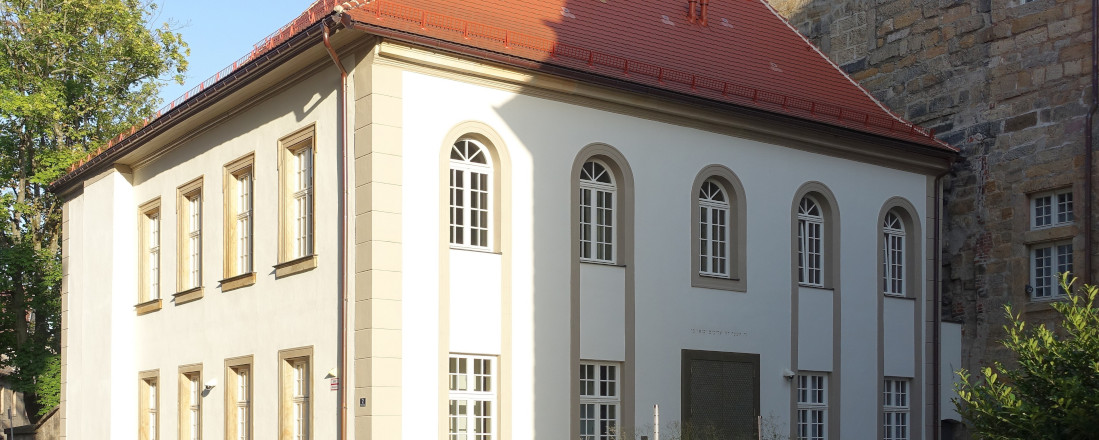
x=444, y=245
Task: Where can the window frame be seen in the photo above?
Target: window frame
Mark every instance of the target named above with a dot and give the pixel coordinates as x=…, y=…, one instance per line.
x=148, y=409
x=1057, y=252
x=288, y=361
x=1059, y=214
x=473, y=396
x=812, y=405
x=488, y=169
x=803, y=241
x=190, y=228
x=232, y=397
x=598, y=399
x=150, y=217
x=610, y=189
x=707, y=228
x=894, y=255
x=234, y=275
x=736, y=231
x=290, y=261
x=891, y=409
x=190, y=402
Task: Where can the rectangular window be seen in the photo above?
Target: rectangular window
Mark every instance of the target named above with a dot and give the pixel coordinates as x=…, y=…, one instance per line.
x=238, y=217
x=599, y=401
x=295, y=410
x=472, y=401
x=1046, y=264
x=713, y=237
x=149, y=230
x=190, y=235
x=895, y=409
x=812, y=394
x=1051, y=209
x=809, y=252
x=238, y=398
x=190, y=402
x=297, y=175
x=596, y=225
x=148, y=406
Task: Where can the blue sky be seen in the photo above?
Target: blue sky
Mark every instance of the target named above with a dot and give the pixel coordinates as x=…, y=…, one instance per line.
x=220, y=32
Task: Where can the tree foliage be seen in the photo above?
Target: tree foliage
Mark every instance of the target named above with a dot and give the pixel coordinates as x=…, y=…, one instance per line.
x=73, y=73
x=1053, y=392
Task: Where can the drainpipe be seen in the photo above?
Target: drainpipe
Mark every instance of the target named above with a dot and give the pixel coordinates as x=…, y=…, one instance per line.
x=937, y=313
x=1088, y=146
x=341, y=337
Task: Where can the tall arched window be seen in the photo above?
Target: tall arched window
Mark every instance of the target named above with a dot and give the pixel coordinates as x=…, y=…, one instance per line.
x=713, y=228
x=810, y=243
x=470, y=197
x=597, y=217
x=893, y=255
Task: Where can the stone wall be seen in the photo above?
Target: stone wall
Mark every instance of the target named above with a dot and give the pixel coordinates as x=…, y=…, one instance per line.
x=1008, y=83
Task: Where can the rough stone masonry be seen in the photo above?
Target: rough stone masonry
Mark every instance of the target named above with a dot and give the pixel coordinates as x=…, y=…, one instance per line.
x=1007, y=82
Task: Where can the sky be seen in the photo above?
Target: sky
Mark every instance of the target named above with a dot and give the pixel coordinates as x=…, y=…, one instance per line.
x=220, y=32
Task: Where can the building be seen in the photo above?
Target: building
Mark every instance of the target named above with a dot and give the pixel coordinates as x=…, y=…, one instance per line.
x=1009, y=82
x=13, y=412
x=419, y=219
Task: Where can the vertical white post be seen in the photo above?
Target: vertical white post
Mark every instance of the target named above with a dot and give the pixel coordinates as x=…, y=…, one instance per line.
x=656, y=422
x=759, y=427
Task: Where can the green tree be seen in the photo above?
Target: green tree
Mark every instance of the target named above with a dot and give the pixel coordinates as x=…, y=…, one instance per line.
x=73, y=74
x=1053, y=391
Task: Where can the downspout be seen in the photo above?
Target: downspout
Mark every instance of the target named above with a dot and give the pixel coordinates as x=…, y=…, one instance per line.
x=937, y=313
x=341, y=337
x=1088, y=146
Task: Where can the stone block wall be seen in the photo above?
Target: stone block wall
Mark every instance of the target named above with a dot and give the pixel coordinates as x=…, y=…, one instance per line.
x=1007, y=82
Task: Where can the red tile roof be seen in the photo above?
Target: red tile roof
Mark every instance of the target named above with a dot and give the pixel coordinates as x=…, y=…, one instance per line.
x=746, y=54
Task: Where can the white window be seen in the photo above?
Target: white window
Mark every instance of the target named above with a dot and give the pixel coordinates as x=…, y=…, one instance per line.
x=1051, y=209
x=810, y=243
x=299, y=399
x=896, y=409
x=472, y=399
x=194, y=241
x=1047, y=263
x=243, y=220
x=599, y=401
x=893, y=255
x=597, y=216
x=713, y=230
x=470, y=196
x=148, y=407
x=239, y=410
x=302, y=202
x=193, y=402
x=152, y=253
x=812, y=406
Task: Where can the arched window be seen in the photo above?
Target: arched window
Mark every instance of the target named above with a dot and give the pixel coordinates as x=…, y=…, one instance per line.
x=810, y=243
x=713, y=229
x=893, y=255
x=597, y=216
x=470, y=196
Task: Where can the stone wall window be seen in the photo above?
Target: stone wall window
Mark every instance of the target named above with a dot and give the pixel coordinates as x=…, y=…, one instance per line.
x=1047, y=262
x=1051, y=209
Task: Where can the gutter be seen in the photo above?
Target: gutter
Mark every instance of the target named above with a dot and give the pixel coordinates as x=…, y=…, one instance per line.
x=341, y=333
x=937, y=313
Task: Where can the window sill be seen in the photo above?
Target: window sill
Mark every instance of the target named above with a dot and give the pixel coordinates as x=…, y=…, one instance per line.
x=718, y=282
x=295, y=266
x=474, y=249
x=187, y=296
x=1037, y=305
x=1052, y=233
x=148, y=307
x=238, y=281
x=602, y=263
x=901, y=297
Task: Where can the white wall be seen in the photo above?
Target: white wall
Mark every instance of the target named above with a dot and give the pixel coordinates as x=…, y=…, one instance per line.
x=543, y=137
x=109, y=344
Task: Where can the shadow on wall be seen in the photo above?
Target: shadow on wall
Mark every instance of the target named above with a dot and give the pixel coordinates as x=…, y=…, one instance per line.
x=839, y=28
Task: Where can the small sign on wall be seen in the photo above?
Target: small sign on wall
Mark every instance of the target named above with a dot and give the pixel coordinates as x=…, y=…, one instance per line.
x=334, y=384
x=362, y=402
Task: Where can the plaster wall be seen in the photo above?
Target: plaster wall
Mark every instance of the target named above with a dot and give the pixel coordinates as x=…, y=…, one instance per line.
x=543, y=137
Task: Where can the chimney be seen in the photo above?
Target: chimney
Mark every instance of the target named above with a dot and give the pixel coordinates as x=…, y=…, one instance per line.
x=692, y=10
x=702, y=17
